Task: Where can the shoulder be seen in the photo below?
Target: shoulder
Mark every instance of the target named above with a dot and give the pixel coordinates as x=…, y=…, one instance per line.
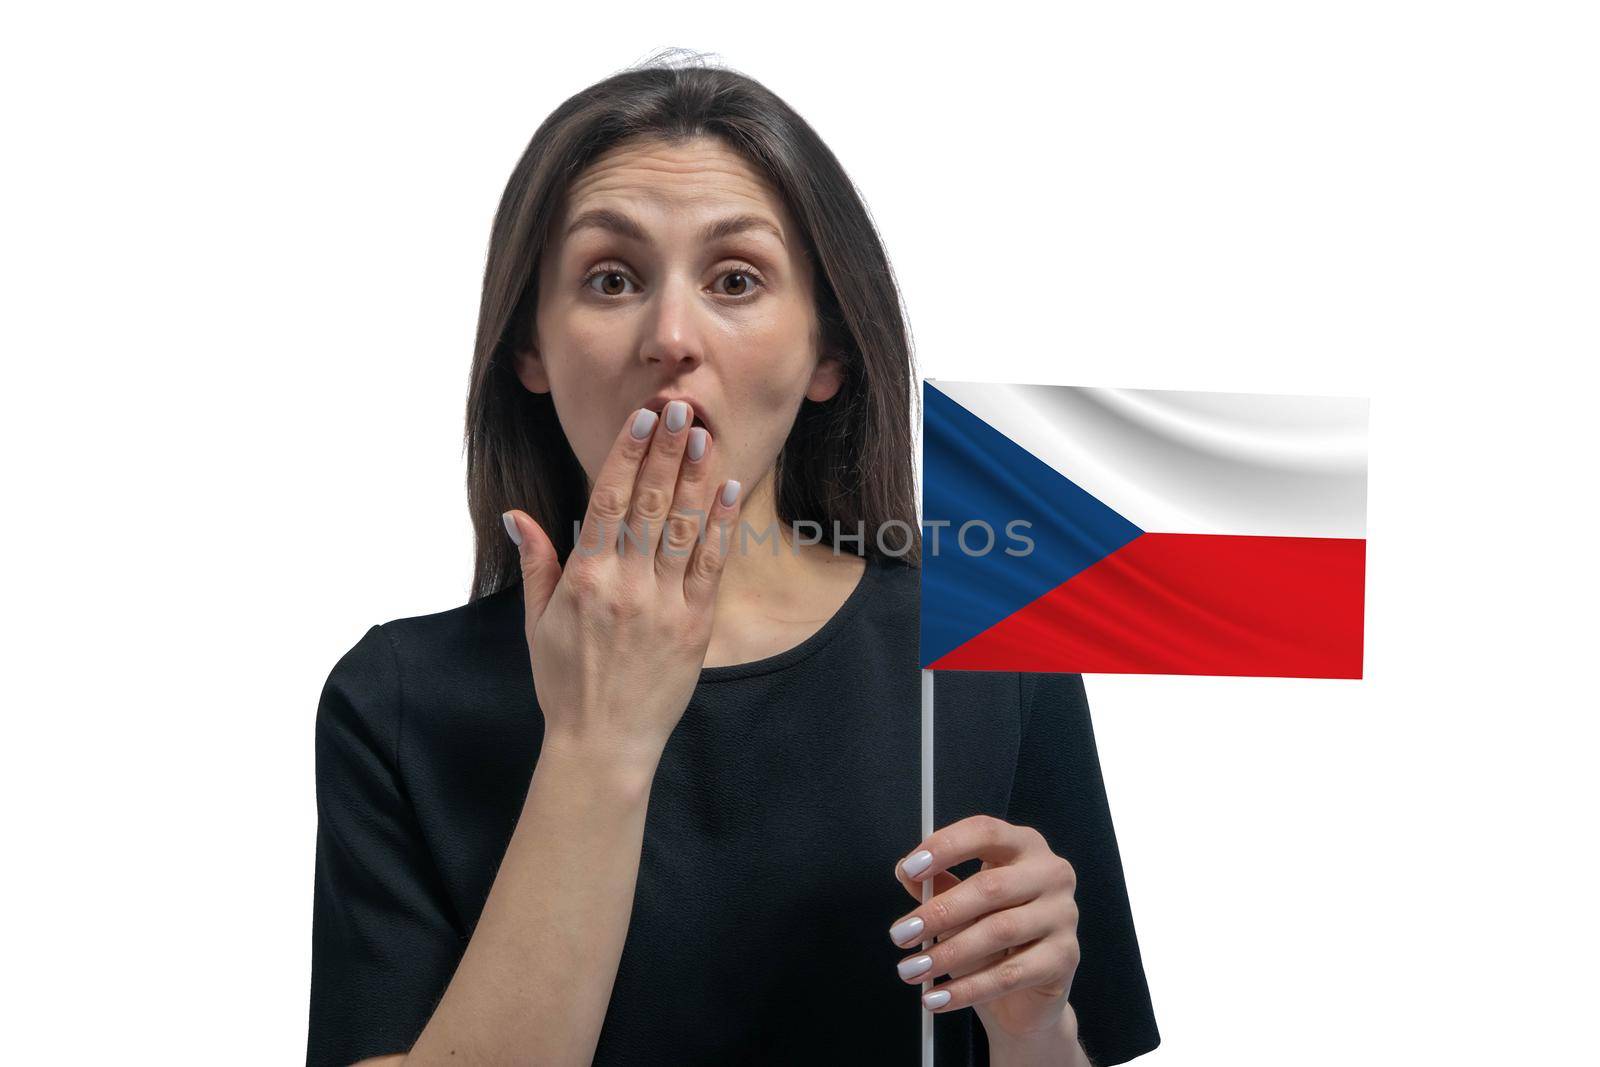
x=395, y=662
x=896, y=586
x=459, y=634
x=883, y=611
x=412, y=640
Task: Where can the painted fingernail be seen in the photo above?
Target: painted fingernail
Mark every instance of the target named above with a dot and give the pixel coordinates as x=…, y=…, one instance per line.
x=937, y=999
x=677, y=415
x=697, y=443
x=917, y=862
x=730, y=493
x=916, y=965
x=511, y=527
x=906, y=930
x=642, y=422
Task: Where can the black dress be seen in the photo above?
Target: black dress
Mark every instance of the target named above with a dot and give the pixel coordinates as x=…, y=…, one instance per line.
x=782, y=801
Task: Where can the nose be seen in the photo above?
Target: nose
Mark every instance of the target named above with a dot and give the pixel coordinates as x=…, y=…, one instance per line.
x=674, y=331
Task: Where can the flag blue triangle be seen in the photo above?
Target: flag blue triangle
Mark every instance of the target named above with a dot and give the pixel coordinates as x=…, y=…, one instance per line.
x=974, y=476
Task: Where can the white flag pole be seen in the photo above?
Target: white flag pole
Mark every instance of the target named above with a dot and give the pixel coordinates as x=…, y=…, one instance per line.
x=927, y=829
x=927, y=797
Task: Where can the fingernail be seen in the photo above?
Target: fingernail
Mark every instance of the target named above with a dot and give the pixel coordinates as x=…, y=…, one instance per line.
x=916, y=965
x=937, y=999
x=917, y=862
x=511, y=528
x=697, y=443
x=730, y=493
x=677, y=415
x=905, y=931
x=642, y=423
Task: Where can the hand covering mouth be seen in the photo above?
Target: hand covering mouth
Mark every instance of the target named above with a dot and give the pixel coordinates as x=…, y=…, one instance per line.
x=697, y=415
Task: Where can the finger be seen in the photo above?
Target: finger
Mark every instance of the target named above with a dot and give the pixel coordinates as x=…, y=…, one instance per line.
x=944, y=881
x=541, y=565
x=975, y=837
x=909, y=928
x=970, y=949
x=1046, y=966
x=613, y=488
x=652, y=495
x=687, y=520
x=711, y=554
x=987, y=891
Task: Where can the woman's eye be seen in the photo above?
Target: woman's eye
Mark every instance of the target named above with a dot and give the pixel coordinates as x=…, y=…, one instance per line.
x=612, y=282
x=741, y=281
x=737, y=282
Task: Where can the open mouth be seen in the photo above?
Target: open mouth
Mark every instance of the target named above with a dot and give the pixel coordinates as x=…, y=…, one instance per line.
x=695, y=418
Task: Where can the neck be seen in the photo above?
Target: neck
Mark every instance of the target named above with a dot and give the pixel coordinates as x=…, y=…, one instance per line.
x=774, y=594
x=763, y=562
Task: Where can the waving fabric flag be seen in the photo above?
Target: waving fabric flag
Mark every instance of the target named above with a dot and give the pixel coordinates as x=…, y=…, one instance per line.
x=1132, y=531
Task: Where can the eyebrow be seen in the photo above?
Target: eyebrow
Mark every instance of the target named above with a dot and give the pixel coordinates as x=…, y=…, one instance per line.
x=623, y=226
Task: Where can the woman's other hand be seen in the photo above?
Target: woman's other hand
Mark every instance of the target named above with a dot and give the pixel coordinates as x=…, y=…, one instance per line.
x=1007, y=936
x=618, y=636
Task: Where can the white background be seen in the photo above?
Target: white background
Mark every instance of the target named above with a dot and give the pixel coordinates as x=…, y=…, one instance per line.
x=242, y=251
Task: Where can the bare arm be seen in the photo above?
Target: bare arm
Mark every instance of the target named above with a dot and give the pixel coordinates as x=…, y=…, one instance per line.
x=537, y=975
x=1057, y=1047
x=616, y=638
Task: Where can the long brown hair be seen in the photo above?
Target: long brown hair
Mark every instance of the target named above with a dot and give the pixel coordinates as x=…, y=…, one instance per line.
x=847, y=460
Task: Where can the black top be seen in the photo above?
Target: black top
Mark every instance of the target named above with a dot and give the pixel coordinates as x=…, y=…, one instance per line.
x=782, y=801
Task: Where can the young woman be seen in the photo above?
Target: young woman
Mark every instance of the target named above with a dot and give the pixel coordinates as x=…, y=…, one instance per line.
x=651, y=795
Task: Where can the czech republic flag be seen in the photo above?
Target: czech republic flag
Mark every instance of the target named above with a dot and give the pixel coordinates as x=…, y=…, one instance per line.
x=1134, y=531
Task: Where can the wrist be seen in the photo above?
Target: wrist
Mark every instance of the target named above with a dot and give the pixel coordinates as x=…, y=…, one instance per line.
x=1056, y=1045
x=604, y=769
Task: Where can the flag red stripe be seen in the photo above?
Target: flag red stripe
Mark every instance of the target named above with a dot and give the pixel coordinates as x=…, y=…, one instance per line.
x=1191, y=604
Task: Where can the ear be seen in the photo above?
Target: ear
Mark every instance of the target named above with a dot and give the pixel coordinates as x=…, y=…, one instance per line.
x=826, y=379
x=530, y=371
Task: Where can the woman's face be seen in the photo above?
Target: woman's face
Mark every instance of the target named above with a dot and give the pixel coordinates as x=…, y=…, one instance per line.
x=676, y=272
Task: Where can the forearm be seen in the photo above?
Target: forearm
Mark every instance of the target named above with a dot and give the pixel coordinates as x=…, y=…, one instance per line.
x=536, y=978
x=1056, y=1047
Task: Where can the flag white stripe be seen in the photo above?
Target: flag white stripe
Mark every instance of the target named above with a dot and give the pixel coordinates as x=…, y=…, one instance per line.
x=1173, y=461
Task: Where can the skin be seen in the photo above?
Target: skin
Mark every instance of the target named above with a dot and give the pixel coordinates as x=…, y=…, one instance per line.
x=618, y=636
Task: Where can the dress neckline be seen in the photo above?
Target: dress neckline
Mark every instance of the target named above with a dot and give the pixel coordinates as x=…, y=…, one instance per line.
x=790, y=656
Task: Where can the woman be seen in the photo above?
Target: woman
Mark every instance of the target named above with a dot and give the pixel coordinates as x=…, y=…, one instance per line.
x=651, y=795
